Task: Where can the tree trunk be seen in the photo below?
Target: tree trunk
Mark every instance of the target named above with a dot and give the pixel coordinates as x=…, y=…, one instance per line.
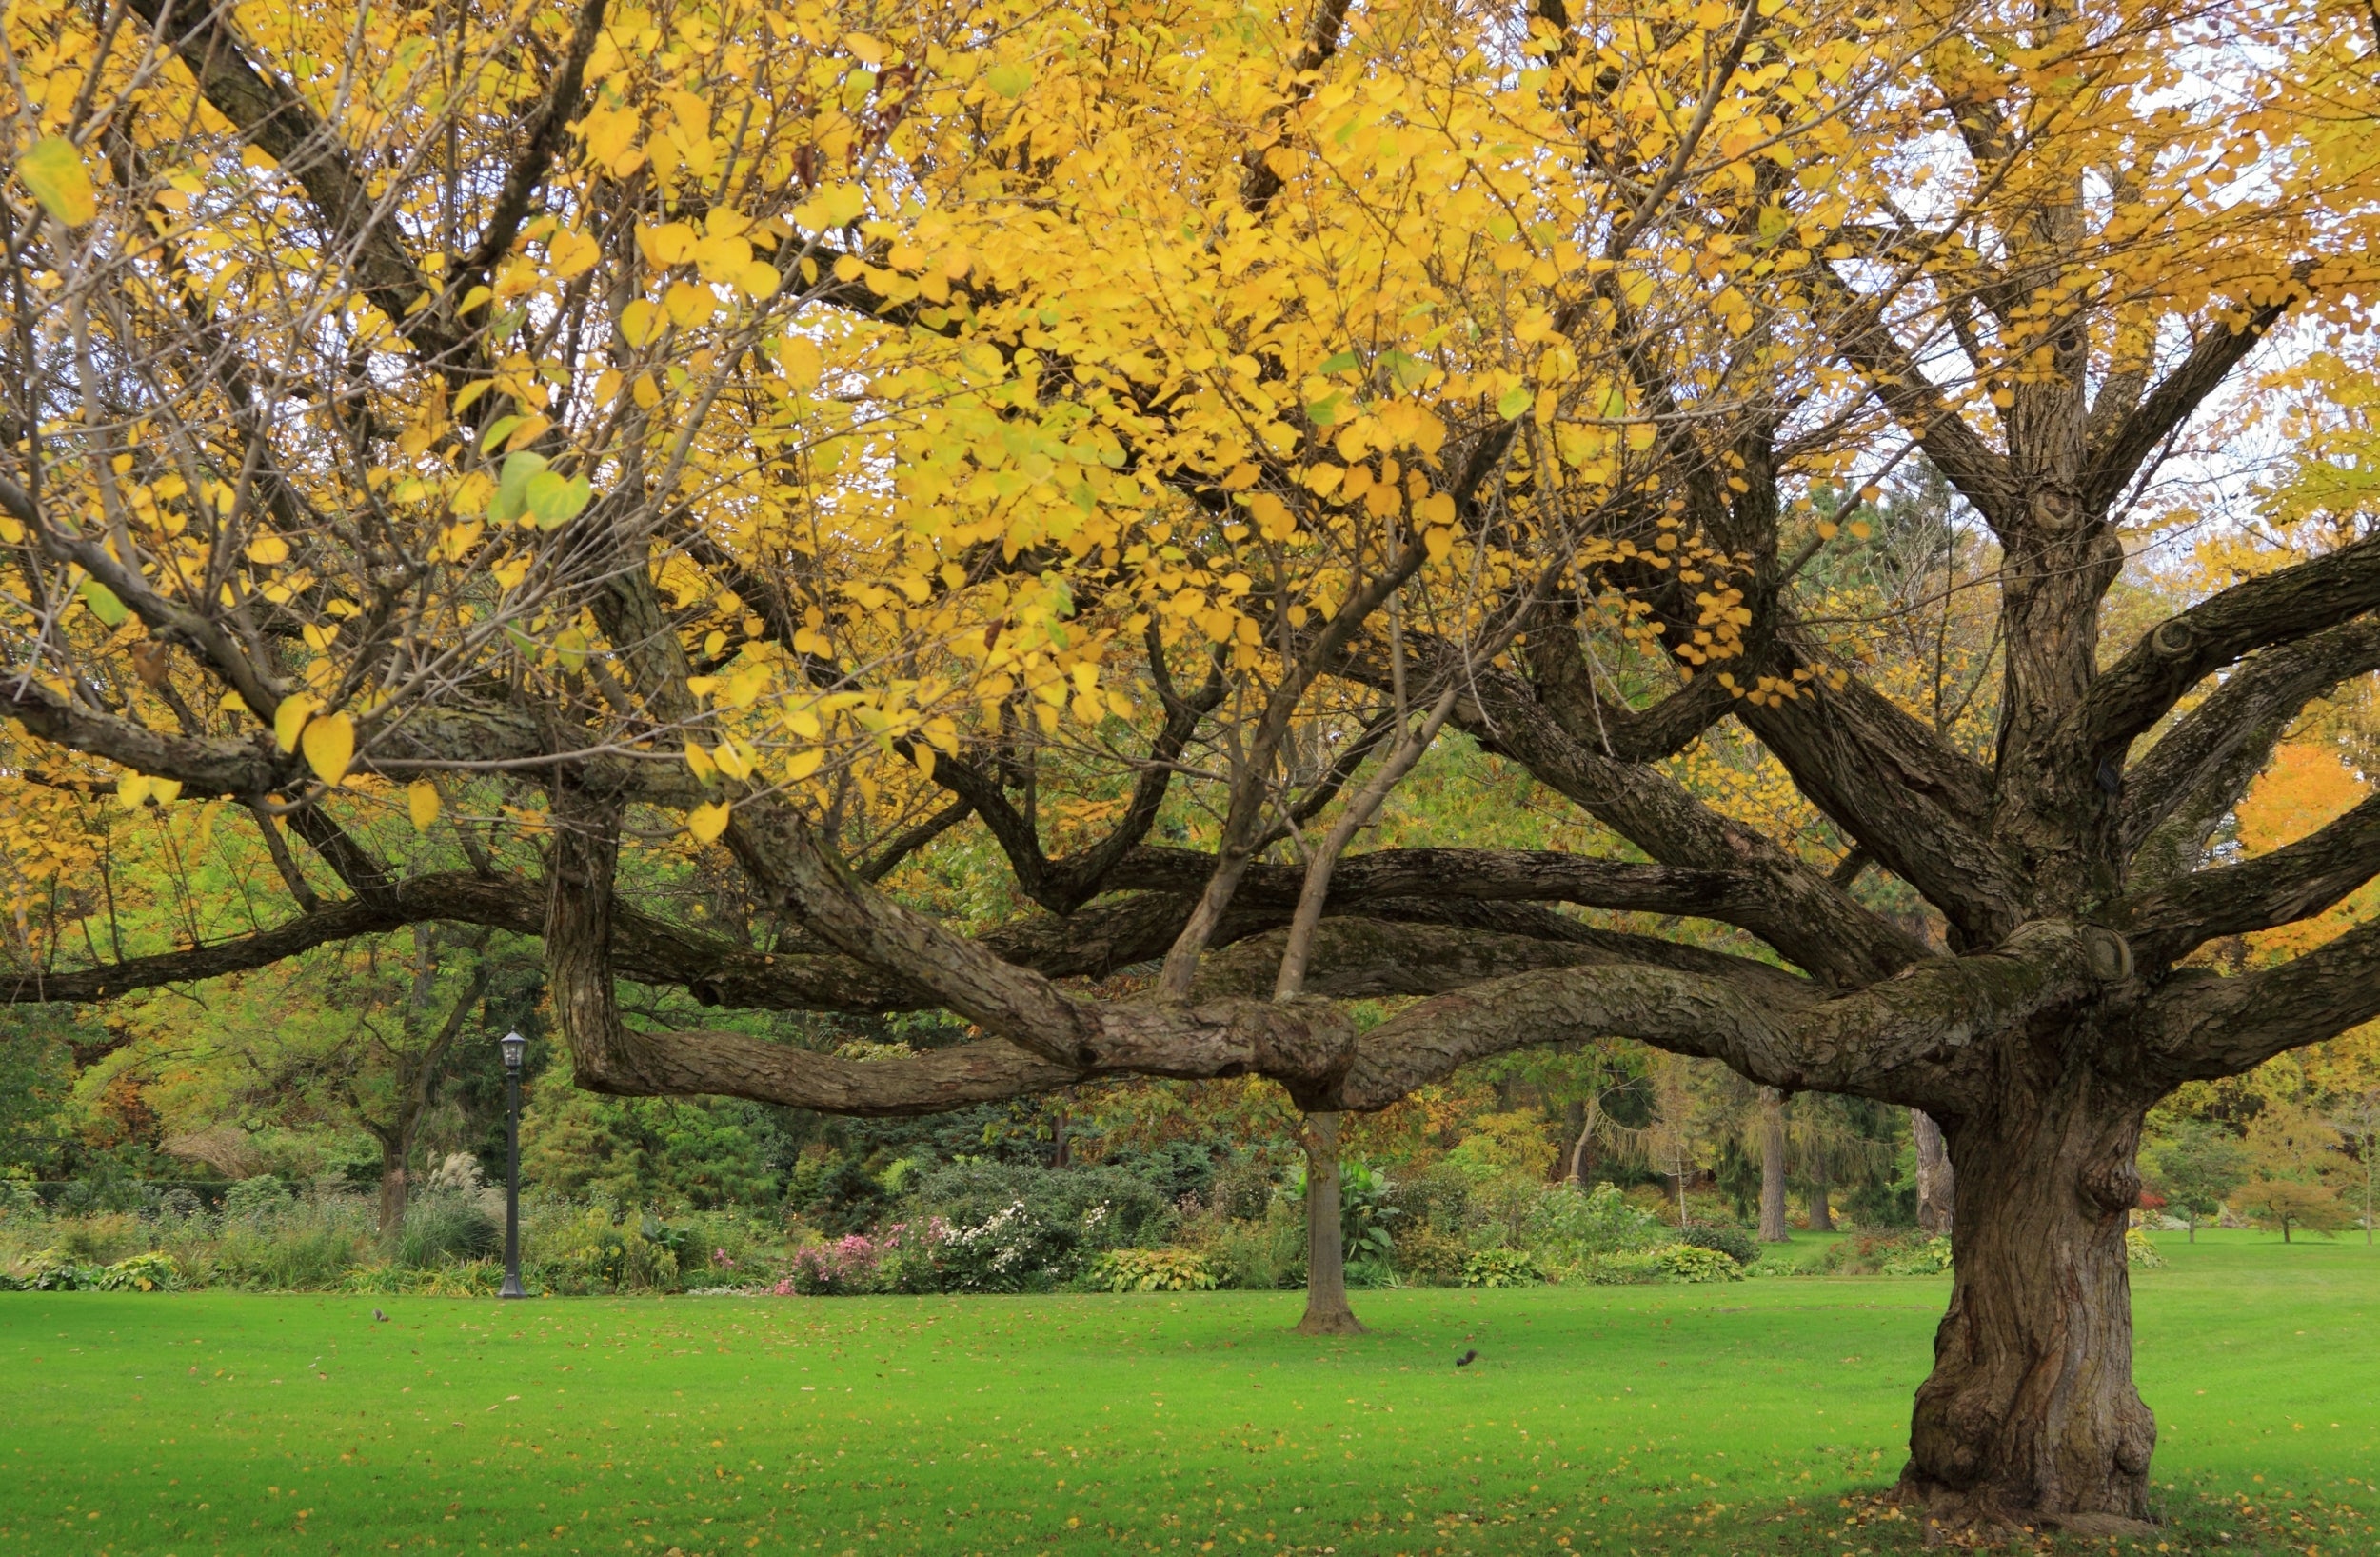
x=1773, y=1228
x=1935, y=1180
x=2030, y=1415
x=1327, y=1313
x=1574, y=1129
x=1822, y=1214
x=393, y=1188
x=2192, y=1217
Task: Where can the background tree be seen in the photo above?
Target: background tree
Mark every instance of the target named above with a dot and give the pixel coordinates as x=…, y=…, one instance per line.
x=2196, y=1167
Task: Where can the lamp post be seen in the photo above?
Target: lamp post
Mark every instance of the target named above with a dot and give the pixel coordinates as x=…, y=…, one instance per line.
x=515, y=1047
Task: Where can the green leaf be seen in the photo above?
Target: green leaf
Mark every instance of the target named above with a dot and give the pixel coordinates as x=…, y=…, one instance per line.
x=1406, y=370
x=497, y=432
x=1325, y=411
x=103, y=603
x=53, y=170
x=511, y=499
x=1009, y=80
x=553, y=501
x=1514, y=403
x=1341, y=362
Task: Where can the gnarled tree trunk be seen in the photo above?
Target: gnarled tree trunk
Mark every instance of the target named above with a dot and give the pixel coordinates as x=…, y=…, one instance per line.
x=2030, y=1413
x=1327, y=1311
x=1937, y=1181
x=1773, y=1228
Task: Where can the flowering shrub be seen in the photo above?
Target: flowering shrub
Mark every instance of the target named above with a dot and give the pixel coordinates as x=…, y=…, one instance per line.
x=2138, y=1249
x=1150, y=1271
x=836, y=1270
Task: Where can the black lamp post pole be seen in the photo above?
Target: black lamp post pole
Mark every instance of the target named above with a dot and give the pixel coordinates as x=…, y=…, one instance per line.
x=514, y=1047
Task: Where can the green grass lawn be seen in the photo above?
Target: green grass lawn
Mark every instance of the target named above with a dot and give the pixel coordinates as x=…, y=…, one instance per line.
x=1669, y=1419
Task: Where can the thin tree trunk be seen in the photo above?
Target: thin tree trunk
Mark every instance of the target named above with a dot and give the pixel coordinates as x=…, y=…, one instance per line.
x=394, y=1185
x=1937, y=1182
x=1822, y=1214
x=1773, y=1228
x=1582, y=1150
x=1327, y=1311
x=2030, y=1415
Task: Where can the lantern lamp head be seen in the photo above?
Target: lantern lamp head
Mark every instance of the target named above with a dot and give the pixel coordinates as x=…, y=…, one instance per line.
x=515, y=1047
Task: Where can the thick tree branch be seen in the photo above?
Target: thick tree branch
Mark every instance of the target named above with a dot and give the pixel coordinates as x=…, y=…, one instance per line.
x=2289, y=883
x=2133, y=693
x=2204, y=1027
x=2200, y=767
x=2117, y=450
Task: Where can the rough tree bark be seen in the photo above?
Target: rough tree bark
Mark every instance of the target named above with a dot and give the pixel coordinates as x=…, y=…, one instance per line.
x=1773, y=1227
x=2031, y=1405
x=1936, y=1180
x=1821, y=1213
x=1327, y=1309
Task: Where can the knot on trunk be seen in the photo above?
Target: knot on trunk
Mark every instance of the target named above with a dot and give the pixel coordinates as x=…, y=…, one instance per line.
x=2112, y=1184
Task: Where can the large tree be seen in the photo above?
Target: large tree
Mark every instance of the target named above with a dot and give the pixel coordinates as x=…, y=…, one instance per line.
x=852, y=435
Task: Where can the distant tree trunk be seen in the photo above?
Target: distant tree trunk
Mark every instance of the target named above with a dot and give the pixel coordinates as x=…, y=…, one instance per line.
x=1058, y=1137
x=394, y=1185
x=1773, y=1228
x=1822, y=1214
x=1582, y=1150
x=1327, y=1311
x=2030, y=1406
x=2190, y=1217
x=1574, y=1127
x=1936, y=1182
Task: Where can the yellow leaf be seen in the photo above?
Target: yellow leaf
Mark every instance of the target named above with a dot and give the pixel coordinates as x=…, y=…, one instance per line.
x=1439, y=542
x=690, y=305
x=758, y=280
x=267, y=549
x=803, y=764
x=164, y=791
x=421, y=798
x=53, y=170
x=707, y=822
x=571, y=253
x=132, y=789
x=721, y=258
x=924, y=756
x=638, y=320
x=667, y=245
x=799, y=357
x=330, y=744
x=290, y=718
x=700, y=760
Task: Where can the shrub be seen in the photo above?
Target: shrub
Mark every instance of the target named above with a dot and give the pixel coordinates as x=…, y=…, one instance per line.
x=2138, y=1249
x=1150, y=1271
x=837, y=1270
x=580, y=1250
x=1500, y=1268
x=260, y=1196
x=1895, y=1253
x=1426, y=1255
x=150, y=1272
x=1018, y=1229
x=1917, y=1257
x=1735, y=1243
x=1578, y=1227
x=443, y=1228
x=55, y=1270
x=1242, y=1191
x=1685, y=1262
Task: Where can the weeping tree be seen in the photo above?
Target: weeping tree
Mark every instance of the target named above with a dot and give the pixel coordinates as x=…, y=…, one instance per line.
x=692, y=487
